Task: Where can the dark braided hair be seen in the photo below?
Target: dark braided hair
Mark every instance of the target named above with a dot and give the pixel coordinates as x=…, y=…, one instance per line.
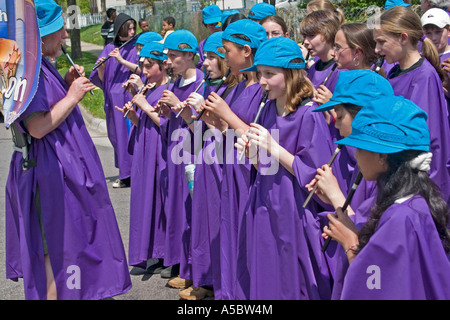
x=400, y=181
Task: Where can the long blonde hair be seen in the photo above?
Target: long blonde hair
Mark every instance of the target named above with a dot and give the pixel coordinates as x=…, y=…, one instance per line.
x=400, y=19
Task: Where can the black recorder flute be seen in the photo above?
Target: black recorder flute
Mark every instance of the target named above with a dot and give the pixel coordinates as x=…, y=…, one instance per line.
x=346, y=203
x=123, y=45
x=261, y=106
x=72, y=63
x=140, y=91
x=330, y=162
x=199, y=86
x=329, y=74
x=167, y=87
x=217, y=89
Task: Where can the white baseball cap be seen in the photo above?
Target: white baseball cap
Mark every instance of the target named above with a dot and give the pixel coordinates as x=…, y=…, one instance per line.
x=437, y=17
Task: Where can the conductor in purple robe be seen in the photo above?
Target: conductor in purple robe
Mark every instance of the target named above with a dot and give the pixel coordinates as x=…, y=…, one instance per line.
x=62, y=236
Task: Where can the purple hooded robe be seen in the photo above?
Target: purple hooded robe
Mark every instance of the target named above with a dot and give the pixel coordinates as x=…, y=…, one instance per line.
x=84, y=244
x=421, y=85
x=403, y=260
x=147, y=217
x=283, y=246
x=178, y=204
x=115, y=75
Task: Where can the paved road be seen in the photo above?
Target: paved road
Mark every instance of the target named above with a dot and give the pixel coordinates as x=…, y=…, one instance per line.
x=145, y=287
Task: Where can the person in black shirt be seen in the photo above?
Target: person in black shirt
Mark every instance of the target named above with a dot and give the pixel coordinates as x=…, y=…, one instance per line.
x=107, y=30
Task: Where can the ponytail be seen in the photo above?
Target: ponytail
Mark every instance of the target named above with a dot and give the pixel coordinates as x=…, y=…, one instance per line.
x=430, y=52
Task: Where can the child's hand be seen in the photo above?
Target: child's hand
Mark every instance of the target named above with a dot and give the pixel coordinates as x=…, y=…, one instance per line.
x=260, y=137
x=328, y=189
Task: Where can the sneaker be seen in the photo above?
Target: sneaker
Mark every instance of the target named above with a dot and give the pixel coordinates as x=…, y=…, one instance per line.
x=170, y=272
x=155, y=268
x=179, y=283
x=125, y=183
x=196, y=293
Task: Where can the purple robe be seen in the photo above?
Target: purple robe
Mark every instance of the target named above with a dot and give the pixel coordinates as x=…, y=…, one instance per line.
x=147, y=217
x=422, y=86
x=317, y=77
x=84, y=244
x=283, y=239
x=200, y=54
x=403, y=260
x=206, y=206
x=178, y=204
x=365, y=190
x=234, y=192
x=115, y=75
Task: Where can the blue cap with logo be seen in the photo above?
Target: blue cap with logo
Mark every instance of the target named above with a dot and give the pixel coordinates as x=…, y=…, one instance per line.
x=154, y=50
x=389, y=125
x=261, y=10
x=225, y=15
x=181, y=36
x=358, y=87
x=213, y=42
x=211, y=14
x=249, y=28
x=149, y=36
x=395, y=3
x=49, y=15
x=278, y=52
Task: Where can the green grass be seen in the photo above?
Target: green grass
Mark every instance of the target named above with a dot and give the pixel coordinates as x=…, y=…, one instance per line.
x=93, y=103
x=91, y=34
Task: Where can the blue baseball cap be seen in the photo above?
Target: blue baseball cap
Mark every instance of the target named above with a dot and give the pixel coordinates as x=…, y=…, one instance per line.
x=358, y=87
x=154, y=50
x=225, y=15
x=181, y=36
x=388, y=125
x=261, y=10
x=213, y=42
x=249, y=28
x=395, y=3
x=278, y=52
x=147, y=37
x=211, y=14
x=49, y=15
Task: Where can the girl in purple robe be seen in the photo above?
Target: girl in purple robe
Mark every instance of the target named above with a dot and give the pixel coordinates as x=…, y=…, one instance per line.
x=147, y=217
x=417, y=79
x=181, y=46
x=109, y=77
x=61, y=231
x=354, y=90
x=240, y=40
x=403, y=251
x=283, y=240
x=205, y=239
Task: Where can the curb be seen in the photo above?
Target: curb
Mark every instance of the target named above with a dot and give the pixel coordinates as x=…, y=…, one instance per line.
x=93, y=123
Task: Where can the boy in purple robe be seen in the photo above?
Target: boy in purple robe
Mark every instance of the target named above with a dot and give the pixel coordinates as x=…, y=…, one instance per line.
x=181, y=46
x=319, y=29
x=147, y=217
x=240, y=39
x=416, y=78
x=61, y=231
x=402, y=252
x=109, y=77
x=283, y=239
